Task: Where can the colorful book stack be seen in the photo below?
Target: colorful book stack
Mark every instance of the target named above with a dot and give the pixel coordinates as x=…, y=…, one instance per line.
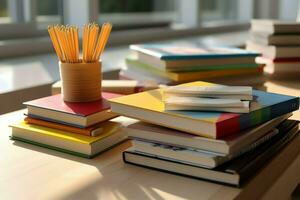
x=279, y=43
x=171, y=64
x=81, y=129
x=216, y=146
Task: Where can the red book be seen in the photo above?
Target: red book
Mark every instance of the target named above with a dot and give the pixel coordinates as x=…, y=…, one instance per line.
x=53, y=108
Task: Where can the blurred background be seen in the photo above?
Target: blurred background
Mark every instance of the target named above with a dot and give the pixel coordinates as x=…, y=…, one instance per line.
x=28, y=65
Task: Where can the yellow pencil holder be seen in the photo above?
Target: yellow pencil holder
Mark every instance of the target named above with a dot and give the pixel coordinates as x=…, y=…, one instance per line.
x=81, y=82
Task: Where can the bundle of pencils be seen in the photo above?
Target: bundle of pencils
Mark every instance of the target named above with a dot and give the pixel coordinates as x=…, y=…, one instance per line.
x=65, y=41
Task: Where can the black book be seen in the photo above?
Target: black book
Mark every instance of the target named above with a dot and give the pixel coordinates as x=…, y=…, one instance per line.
x=235, y=172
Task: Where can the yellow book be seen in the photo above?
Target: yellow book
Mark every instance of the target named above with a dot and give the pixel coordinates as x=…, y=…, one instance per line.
x=68, y=142
x=149, y=107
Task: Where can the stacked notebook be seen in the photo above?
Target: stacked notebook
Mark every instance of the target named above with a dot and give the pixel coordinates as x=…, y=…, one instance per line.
x=217, y=146
x=278, y=41
x=171, y=64
x=82, y=129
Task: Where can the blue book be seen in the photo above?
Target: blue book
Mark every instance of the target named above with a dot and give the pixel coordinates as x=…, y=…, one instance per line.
x=175, y=52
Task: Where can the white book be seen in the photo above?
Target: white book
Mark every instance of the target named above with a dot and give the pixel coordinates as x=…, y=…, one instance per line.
x=227, y=145
x=210, y=104
x=219, y=91
x=274, y=26
x=207, y=102
x=194, y=156
x=272, y=52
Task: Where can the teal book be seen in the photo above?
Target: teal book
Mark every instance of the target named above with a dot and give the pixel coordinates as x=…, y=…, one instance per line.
x=175, y=52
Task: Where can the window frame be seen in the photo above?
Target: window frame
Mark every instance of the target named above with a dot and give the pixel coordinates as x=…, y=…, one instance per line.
x=27, y=26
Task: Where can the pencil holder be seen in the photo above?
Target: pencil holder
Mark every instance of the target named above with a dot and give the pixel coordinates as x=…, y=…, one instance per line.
x=81, y=82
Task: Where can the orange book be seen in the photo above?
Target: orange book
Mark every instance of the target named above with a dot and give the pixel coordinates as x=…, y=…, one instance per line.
x=94, y=130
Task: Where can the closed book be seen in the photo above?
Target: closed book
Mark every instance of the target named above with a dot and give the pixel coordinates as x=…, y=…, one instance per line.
x=206, y=104
x=235, y=172
x=288, y=67
x=274, y=26
x=76, y=144
x=221, y=92
x=149, y=106
x=54, y=108
x=193, y=156
x=94, y=130
x=273, y=52
x=276, y=40
x=232, y=144
x=254, y=80
x=193, y=75
x=175, y=52
x=216, y=65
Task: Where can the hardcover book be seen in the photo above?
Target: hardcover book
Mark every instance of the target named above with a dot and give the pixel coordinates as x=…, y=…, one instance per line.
x=235, y=172
x=172, y=52
x=142, y=131
x=194, y=75
x=193, y=67
x=149, y=106
x=72, y=143
x=53, y=108
x=274, y=26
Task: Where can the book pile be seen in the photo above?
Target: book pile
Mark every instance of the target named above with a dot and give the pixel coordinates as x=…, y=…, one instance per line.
x=234, y=99
x=171, y=64
x=279, y=43
x=81, y=129
x=216, y=146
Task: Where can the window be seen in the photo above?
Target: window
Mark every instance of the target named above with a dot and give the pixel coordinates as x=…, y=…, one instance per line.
x=48, y=12
x=138, y=13
x=4, y=17
x=218, y=10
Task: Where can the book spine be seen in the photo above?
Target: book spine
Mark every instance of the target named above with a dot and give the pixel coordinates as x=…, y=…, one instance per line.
x=55, y=121
x=260, y=160
x=244, y=121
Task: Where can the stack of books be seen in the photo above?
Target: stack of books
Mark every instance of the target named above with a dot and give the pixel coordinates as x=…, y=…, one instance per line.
x=171, y=64
x=211, y=98
x=81, y=129
x=216, y=146
x=279, y=43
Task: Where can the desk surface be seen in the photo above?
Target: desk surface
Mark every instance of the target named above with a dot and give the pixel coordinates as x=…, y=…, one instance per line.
x=31, y=172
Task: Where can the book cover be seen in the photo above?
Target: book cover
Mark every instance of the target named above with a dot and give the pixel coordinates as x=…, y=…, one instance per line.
x=56, y=103
x=149, y=106
x=172, y=52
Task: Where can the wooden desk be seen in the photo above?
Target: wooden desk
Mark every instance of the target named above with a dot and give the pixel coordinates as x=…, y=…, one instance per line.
x=31, y=172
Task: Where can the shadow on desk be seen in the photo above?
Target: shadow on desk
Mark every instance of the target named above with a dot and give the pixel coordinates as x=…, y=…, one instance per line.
x=126, y=181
